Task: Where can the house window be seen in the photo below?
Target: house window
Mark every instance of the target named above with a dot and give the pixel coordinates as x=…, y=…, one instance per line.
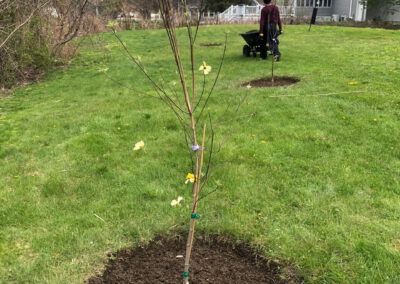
x=323, y=3
x=314, y=3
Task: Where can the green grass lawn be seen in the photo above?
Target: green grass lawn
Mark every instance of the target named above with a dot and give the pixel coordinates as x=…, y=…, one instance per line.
x=326, y=181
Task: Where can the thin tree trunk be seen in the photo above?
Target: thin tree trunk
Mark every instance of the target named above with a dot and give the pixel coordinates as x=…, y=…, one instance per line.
x=196, y=190
x=74, y=29
x=272, y=68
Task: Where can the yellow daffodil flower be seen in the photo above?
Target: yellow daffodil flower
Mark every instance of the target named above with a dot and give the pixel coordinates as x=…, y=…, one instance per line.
x=138, y=146
x=177, y=201
x=189, y=178
x=205, y=68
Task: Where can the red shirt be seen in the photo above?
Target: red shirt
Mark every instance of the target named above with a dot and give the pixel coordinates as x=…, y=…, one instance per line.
x=271, y=11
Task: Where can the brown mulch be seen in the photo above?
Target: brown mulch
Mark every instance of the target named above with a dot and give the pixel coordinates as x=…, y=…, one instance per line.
x=210, y=44
x=214, y=260
x=267, y=82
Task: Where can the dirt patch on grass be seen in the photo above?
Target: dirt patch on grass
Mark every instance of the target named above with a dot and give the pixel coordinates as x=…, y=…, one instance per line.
x=210, y=44
x=267, y=82
x=214, y=260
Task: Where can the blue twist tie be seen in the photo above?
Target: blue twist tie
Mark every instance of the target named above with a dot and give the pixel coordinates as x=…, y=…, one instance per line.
x=195, y=216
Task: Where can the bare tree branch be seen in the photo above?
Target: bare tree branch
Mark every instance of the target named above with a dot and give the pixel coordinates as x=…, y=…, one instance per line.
x=73, y=29
x=27, y=20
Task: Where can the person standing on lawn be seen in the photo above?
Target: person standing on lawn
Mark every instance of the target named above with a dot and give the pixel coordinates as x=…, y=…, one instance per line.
x=269, y=33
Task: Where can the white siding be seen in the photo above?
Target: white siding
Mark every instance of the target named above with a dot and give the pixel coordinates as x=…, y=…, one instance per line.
x=342, y=7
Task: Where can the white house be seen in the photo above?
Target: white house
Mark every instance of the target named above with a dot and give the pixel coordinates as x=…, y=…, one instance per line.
x=328, y=10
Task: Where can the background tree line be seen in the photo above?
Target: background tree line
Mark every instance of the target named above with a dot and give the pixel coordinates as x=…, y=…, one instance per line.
x=385, y=4
x=35, y=34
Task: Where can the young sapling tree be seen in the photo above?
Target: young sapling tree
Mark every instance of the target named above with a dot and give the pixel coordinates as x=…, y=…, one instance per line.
x=189, y=109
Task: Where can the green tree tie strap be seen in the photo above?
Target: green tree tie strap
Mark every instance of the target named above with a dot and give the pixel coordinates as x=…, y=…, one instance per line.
x=186, y=274
x=195, y=216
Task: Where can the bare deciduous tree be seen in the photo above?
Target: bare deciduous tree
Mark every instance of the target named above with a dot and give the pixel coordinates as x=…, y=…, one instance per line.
x=144, y=7
x=69, y=17
x=4, y=5
x=33, y=33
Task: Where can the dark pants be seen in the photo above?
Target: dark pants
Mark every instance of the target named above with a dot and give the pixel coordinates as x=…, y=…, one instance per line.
x=271, y=37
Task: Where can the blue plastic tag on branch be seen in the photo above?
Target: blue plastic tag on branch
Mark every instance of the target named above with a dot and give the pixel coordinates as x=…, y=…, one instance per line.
x=186, y=274
x=195, y=216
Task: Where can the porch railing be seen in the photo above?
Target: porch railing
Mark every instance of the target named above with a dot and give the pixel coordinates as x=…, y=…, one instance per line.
x=243, y=13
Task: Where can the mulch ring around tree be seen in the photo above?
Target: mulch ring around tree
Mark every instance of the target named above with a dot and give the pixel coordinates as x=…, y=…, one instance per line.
x=267, y=82
x=210, y=44
x=214, y=260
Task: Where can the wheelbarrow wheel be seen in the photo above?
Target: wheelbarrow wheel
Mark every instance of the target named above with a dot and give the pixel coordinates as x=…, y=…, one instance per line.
x=246, y=51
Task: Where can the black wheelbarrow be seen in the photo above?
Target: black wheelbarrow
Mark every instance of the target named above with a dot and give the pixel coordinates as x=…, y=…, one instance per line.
x=253, y=41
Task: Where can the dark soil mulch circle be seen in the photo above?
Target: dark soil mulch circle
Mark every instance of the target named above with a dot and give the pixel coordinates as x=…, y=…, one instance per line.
x=214, y=260
x=267, y=82
x=210, y=44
